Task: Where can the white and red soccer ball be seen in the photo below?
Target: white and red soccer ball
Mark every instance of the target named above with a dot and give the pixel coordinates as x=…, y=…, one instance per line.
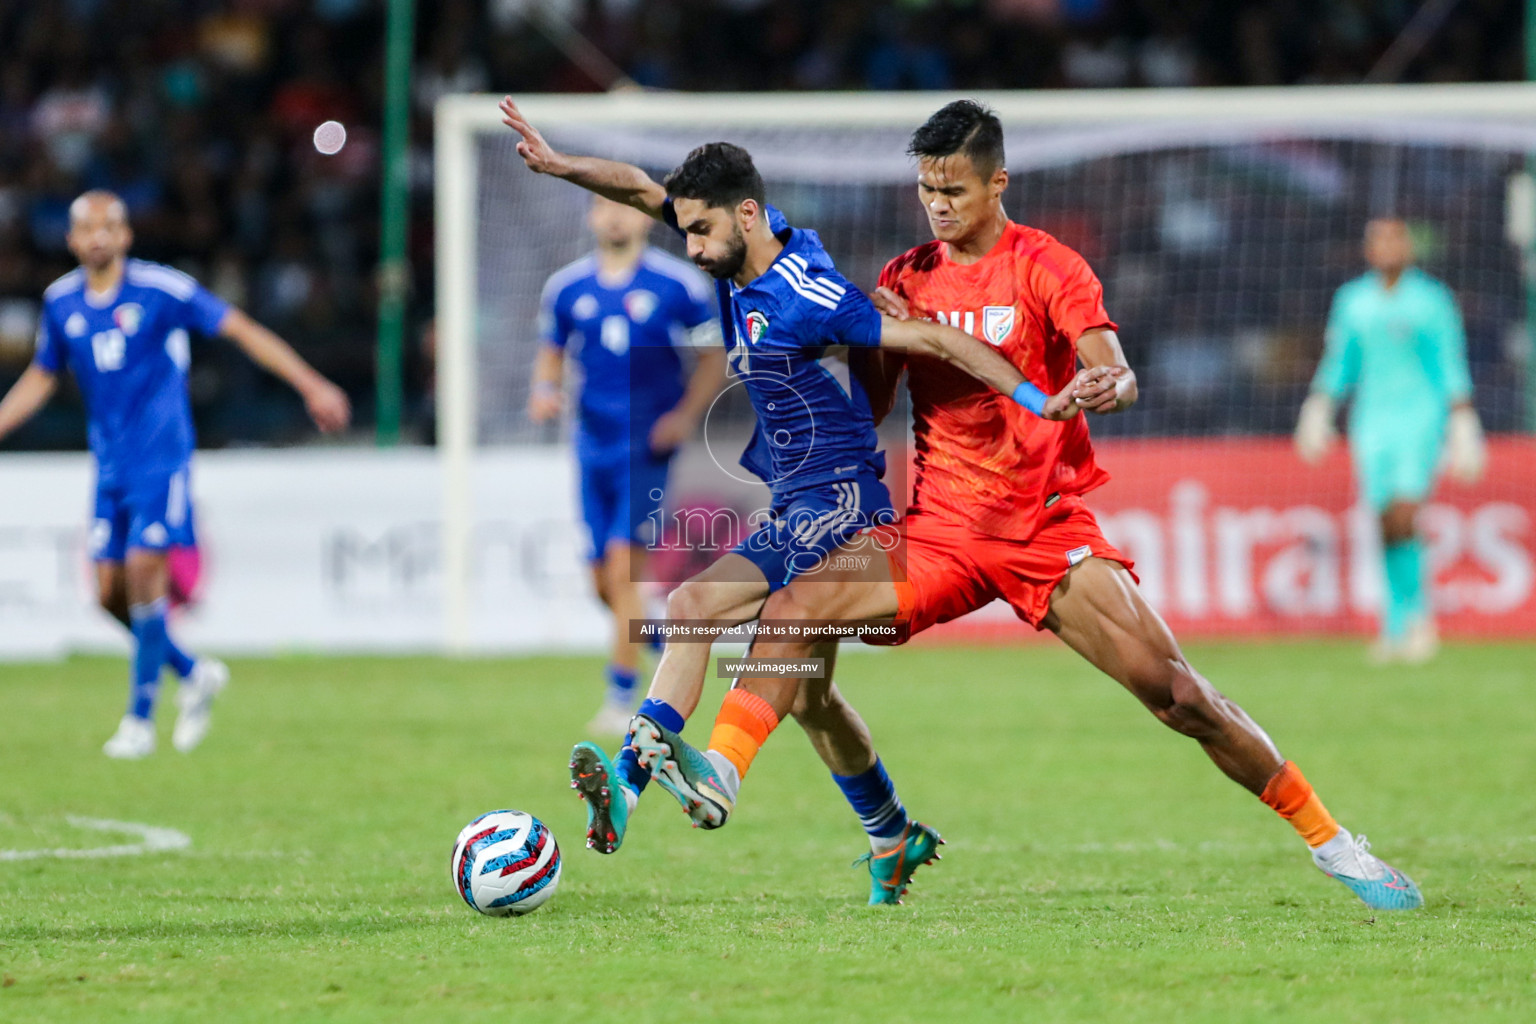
x=505, y=863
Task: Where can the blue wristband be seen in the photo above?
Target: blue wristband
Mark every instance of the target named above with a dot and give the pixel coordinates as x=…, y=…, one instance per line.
x=1030, y=397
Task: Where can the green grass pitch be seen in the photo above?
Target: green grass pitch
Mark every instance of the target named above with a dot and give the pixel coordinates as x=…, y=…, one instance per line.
x=1098, y=868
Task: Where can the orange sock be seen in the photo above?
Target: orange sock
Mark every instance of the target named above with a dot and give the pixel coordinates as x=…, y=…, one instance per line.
x=742, y=727
x=1291, y=795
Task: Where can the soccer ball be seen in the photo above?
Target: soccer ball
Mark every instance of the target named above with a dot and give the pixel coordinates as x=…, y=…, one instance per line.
x=505, y=863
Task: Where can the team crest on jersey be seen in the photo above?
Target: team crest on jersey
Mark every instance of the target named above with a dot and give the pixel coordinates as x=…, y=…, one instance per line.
x=996, y=323
x=75, y=326
x=757, y=326
x=584, y=308
x=128, y=316
x=640, y=305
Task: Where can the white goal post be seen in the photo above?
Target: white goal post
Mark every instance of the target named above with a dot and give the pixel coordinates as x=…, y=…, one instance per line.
x=1064, y=128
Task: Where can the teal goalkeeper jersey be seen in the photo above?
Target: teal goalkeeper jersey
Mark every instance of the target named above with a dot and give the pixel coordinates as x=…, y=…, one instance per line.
x=1401, y=351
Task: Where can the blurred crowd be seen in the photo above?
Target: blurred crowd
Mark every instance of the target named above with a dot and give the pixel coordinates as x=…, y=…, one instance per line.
x=1029, y=44
x=200, y=114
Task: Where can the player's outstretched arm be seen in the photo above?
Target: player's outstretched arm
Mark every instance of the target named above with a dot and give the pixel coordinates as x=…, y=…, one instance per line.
x=29, y=394
x=621, y=182
x=986, y=364
x=327, y=404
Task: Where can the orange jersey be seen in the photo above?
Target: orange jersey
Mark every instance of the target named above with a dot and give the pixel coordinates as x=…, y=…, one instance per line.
x=980, y=459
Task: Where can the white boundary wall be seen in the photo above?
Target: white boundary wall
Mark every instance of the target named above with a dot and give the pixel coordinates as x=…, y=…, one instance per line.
x=326, y=550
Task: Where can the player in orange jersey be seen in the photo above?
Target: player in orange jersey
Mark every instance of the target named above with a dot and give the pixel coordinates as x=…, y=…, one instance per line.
x=998, y=511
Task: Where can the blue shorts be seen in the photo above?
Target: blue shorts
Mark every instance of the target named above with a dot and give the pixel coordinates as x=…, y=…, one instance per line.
x=150, y=512
x=621, y=499
x=814, y=522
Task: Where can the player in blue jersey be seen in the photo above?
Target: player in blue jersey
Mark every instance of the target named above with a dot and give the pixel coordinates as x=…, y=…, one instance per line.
x=623, y=313
x=122, y=327
x=1395, y=346
x=789, y=322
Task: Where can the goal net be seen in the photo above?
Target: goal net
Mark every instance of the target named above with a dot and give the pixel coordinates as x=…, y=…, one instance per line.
x=1220, y=222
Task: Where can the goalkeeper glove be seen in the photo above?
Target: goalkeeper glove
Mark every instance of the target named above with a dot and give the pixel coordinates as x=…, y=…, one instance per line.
x=1468, y=451
x=1315, y=433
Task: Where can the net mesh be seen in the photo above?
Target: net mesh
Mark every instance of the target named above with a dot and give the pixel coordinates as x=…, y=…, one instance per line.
x=1219, y=247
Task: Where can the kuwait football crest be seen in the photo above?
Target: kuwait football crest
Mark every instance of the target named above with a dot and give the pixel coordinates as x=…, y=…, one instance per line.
x=757, y=326
x=128, y=316
x=584, y=308
x=639, y=305
x=996, y=324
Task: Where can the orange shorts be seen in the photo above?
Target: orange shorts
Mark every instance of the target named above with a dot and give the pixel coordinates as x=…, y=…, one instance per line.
x=945, y=569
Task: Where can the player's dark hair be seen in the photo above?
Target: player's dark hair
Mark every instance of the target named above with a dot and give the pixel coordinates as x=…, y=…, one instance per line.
x=963, y=126
x=719, y=175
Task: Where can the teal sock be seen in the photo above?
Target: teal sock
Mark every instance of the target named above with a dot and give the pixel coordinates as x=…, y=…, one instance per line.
x=1405, y=586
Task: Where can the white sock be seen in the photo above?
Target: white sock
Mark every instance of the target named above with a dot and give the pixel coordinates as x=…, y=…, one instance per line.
x=631, y=798
x=730, y=778
x=1334, y=847
x=885, y=844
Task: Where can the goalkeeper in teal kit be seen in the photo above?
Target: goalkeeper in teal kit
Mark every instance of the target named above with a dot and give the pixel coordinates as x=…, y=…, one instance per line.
x=1395, y=346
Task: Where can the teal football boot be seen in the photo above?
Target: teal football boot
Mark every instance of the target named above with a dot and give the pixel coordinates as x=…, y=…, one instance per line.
x=1378, y=884
x=594, y=780
x=891, y=872
x=682, y=770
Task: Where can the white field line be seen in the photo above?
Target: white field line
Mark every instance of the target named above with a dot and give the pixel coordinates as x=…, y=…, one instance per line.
x=152, y=839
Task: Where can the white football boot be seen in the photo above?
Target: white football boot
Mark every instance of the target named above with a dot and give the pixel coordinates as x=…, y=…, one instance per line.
x=1422, y=643
x=1385, y=651
x=195, y=698
x=612, y=719
x=135, y=738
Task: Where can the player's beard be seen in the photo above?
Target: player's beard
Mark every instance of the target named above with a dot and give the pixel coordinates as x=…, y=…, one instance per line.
x=97, y=260
x=731, y=263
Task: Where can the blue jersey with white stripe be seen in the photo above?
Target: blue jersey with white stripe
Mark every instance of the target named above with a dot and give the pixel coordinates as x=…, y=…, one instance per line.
x=627, y=334
x=787, y=334
x=129, y=351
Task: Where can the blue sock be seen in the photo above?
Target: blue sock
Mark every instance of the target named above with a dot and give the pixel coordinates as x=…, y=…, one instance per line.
x=180, y=661
x=872, y=795
x=628, y=766
x=663, y=713
x=149, y=640
x=1404, y=563
x=621, y=685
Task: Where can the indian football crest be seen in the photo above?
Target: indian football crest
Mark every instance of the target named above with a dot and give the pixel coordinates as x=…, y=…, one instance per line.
x=640, y=305
x=996, y=323
x=128, y=316
x=757, y=326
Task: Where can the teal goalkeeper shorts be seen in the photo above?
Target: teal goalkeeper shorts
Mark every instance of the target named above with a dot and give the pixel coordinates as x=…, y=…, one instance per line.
x=1400, y=463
